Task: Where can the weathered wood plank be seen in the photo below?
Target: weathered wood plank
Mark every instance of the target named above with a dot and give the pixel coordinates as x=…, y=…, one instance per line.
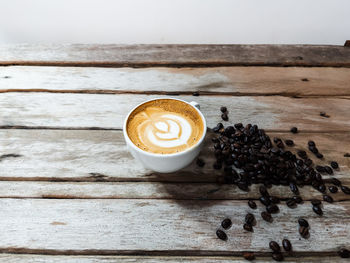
x=109, y=111
x=173, y=226
x=25, y=258
x=102, y=156
x=175, y=55
x=286, y=81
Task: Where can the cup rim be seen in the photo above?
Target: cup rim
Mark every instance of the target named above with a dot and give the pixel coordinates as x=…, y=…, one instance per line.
x=126, y=136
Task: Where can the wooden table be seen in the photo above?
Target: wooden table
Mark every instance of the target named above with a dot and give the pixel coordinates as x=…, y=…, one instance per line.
x=70, y=192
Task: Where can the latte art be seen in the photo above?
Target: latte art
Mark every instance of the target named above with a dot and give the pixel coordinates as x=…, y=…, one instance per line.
x=165, y=126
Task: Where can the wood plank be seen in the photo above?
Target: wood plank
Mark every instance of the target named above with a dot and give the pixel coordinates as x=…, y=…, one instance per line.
x=174, y=55
x=168, y=227
x=90, y=155
x=109, y=111
x=19, y=258
x=285, y=81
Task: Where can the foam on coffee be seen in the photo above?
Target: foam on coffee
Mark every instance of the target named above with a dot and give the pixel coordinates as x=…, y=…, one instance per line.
x=165, y=126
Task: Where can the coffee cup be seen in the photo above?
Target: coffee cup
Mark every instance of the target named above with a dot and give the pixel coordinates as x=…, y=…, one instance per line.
x=157, y=150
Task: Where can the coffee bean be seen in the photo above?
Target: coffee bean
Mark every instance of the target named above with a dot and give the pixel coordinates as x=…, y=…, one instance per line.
x=333, y=189
x=297, y=199
x=252, y=204
x=249, y=255
x=344, y=253
x=291, y=203
x=224, y=116
x=304, y=232
x=263, y=190
x=334, y=165
x=200, y=162
x=294, y=188
x=294, y=130
x=346, y=154
x=286, y=245
x=289, y=142
x=196, y=93
x=243, y=186
x=248, y=227
x=320, y=169
x=274, y=246
x=308, y=162
x=317, y=209
x=266, y=216
x=328, y=198
x=316, y=202
x=302, y=154
x=321, y=188
x=265, y=200
x=328, y=169
x=335, y=181
x=311, y=143
x=272, y=209
x=345, y=189
x=226, y=223
x=274, y=199
x=249, y=219
x=319, y=155
x=221, y=234
x=277, y=256
x=238, y=125
x=223, y=109
x=303, y=222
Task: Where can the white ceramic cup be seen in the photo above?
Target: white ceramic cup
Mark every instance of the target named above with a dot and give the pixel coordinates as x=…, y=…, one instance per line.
x=165, y=163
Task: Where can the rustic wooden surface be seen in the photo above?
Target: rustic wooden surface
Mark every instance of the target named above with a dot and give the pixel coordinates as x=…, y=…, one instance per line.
x=69, y=191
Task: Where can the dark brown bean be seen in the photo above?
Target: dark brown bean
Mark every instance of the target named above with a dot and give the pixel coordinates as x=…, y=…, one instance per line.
x=321, y=188
x=294, y=129
x=303, y=222
x=266, y=216
x=274, y=199
x=248, y=227
x=297, y=199
x=335, y=181
x=344, y=253
x=334, y=165
x=226, y=223
x=252, y=204
x=286, y=245
x=223, y=109
x=328, y=198
x=200, y=162
x=224, y=116
x=319, y=155
x=263, y=190
x=277, y=256
x=291, y=203
x=249, y=219
x=311, y=143
x=249, y=255
x=274, y=246
x=264, y=200
x=333, y=189
x=320, y=169
x=272, y=209
x=345, y=189
x=328, y=169
x=304, y=232
x=346, y=154
x=221, y=234
x=316, y=202
x=317, y=209
x=289, y=142
x=293, y=187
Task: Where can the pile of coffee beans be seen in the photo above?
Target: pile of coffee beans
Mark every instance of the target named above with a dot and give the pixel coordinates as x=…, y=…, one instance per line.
x=248, y=156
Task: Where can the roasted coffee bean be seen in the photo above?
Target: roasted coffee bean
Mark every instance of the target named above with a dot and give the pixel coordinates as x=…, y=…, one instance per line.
x=263, y=190
x=289, y=142
x=286, y=245
x=317, y=209
x=316, y=202
x=224, y=116
x=274, y=199
x=335, y=181
x=249, y=219
x=333, y=189
x=238, y=125
x=320, y=169
x=266, y=216
x=248, y=227
x=321, y=188
x=249, y=255
x=344, y=253
x=345, y=189
x=304, y=232
x=221, y=234
x=294, y=130
x=334, y=165
x=311, y=143
x=265, y=200
x=252, y=204
x=243, y=186
x=324, y=114
x=313, y=149
x=200, y=162
x=294, y=188
x=291, y=203
x=272, y=209
x=297, y=199
x=302, y=154
x=274, y=246
x=319, y=155
x=346, y=154
x=223, y=109
x=328, y=169
x=226, y=223
x=303, y=222
x=328, y=198
x=308, y=162
x=277, y=256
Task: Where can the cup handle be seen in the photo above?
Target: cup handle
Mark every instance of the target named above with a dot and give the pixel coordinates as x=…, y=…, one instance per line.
x=195, y=104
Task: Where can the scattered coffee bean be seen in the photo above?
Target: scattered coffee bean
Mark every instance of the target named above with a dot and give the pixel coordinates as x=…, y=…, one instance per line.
x=248, y=227
x=316, y=202
x=323, y=114
x=223, y=109
x=249, y=255
x=200, y=162
x=297, y=199
x=286, y=245
x=226, y=223
x=319, y=155
x=347, y=155
x=344, y=253
x=221, y=234
x=334, y=165
x=320, y=169
x=272, y=209
x=345, y=189
x=311, y=143
x=328, y=169
x=293, y=187
x=328, y=198
x=304, y=79
x=277, y=256
x=289, y=142
x=317, y=209
x=335, y=181
x=333, y=189
x=321, y=188
x=265, y=200
x=263, y=190
x=304, y=232
x=266, y=216
x=274, y=199
x=294, y=130
x=252, y=204
x=274, y=246
x=291, y=203
x=303, y=222
x=196, y=93
x=249, y=219
x=224, y=116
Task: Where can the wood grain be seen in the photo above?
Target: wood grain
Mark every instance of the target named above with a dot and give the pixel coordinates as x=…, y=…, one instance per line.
x=161, y=227
x=238, y=81
x=102, y=156
x=175, y=55
x=109, y=111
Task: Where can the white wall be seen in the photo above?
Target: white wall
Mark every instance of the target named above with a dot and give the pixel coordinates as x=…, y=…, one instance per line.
x=175, y=21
